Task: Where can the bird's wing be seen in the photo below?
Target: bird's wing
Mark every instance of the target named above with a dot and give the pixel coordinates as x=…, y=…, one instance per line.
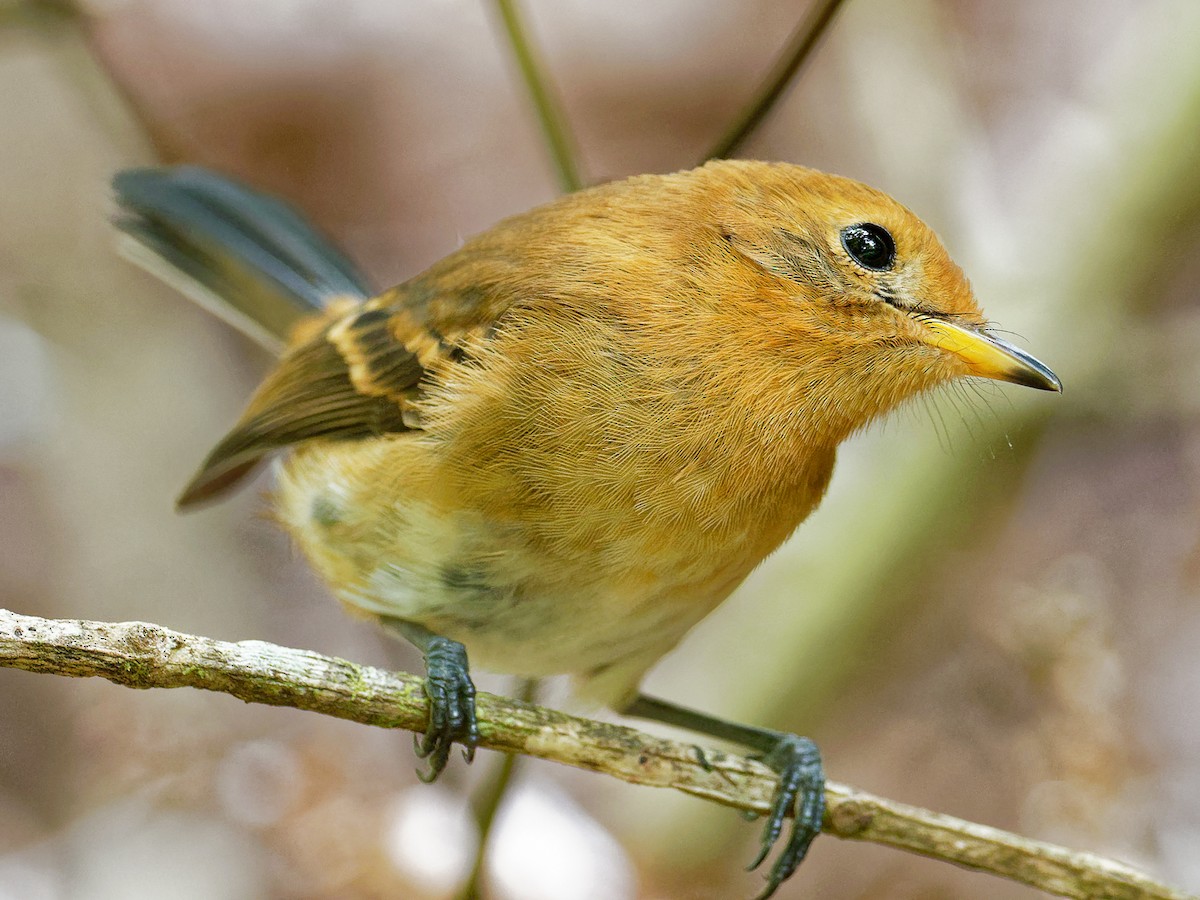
x=355, y=374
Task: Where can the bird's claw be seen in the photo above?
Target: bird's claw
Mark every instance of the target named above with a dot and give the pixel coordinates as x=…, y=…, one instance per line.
x=451, y=696
x=801, y=791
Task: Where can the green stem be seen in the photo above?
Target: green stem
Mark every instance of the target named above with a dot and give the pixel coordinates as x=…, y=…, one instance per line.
x=799, y=47
x=488, y=799
x=550, y=116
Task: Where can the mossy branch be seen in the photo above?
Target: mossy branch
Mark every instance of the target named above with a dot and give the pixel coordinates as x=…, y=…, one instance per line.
x=142, y=655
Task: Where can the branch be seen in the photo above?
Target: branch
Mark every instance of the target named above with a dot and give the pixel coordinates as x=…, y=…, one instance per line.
x=141, y=655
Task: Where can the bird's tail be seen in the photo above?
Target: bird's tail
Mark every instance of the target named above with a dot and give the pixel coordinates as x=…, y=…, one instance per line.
x=248, y=258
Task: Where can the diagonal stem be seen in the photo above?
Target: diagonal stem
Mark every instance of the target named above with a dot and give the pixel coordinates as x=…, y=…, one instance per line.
x=554, y=125
x=798, y=49
x=490, y=796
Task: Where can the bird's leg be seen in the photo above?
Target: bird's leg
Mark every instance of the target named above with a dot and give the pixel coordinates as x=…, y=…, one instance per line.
x=801, y=788
x=451, y=696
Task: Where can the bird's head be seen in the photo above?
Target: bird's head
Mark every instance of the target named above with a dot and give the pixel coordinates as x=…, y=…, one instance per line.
x=857, y=293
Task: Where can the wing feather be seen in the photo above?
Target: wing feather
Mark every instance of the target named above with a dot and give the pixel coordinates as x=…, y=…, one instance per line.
x=350, y=380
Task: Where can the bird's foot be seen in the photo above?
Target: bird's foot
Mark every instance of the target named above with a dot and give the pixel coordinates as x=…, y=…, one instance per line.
x=801, y=791
x=451, y=696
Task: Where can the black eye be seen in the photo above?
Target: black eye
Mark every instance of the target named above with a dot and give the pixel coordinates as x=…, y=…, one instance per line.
x=869, y=245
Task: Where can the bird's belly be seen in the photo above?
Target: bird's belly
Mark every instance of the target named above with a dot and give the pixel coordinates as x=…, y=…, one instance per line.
x=520, y=604
x=542, y=625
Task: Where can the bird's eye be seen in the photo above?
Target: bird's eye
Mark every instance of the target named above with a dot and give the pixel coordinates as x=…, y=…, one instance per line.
x=870, y=246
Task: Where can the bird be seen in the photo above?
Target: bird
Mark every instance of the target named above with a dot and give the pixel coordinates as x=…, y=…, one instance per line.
x=561, y=446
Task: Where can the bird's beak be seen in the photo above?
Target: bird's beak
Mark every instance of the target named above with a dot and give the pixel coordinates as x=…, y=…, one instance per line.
x=990, y=357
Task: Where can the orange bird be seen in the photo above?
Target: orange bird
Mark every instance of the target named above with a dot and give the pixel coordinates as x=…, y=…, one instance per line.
x=564, y=444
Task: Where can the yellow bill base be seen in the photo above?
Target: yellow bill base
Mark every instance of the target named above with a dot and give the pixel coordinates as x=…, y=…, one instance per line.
x=990, y=357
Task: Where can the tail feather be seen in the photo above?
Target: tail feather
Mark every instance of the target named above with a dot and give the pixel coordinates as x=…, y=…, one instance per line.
x=245, y=256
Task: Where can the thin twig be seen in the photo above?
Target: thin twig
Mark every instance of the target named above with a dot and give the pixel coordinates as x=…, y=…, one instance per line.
x=553, y=122
x=141, y=655
x=799, y=47
x=488, y=799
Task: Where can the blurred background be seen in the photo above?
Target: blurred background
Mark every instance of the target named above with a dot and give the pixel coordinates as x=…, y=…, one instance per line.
x=993, y=615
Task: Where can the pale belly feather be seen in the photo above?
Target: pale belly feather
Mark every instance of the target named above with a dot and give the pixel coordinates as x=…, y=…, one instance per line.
x=604, y=608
